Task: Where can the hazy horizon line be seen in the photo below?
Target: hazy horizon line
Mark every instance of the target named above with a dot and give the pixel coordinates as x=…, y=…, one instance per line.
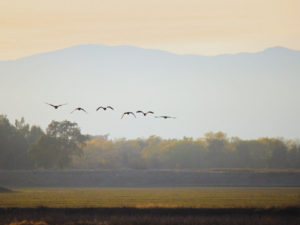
x=148, y=49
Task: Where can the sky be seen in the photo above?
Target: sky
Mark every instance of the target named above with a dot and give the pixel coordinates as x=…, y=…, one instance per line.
x=249, y=95
x=205, y=27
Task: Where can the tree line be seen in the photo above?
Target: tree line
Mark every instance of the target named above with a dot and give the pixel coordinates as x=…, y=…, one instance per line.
x=62, y=145
x=214, y=150
x=29, y=147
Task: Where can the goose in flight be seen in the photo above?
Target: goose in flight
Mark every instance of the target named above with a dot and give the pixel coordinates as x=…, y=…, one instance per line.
x=55, y=106
x=165, y=117
x=145, y=113
x=79, y=110
x=104, y=108
x=128, y=114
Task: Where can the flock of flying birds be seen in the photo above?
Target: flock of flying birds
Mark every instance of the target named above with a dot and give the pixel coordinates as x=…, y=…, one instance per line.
x=109, y=107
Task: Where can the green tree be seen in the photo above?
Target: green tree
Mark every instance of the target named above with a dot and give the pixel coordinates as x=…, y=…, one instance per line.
x=293, y=157
x=252, y=154
x=14, y=144
x=153, y=151
x=44, y=152
x=187, y=153
x=25, y=136
x=219, y=154
x=65, y=142
x=35, y=133
x=279, y=153
x=7, y=138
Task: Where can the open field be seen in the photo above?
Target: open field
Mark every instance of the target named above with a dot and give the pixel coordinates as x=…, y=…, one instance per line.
x=149, y=206
x=196, y=197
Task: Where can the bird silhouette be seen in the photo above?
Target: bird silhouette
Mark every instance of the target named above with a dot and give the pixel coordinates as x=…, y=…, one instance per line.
x=55, y=106
x=165, y=117
x=127, y=113
x=79, y=110
x=104, y=108
x=145, y=113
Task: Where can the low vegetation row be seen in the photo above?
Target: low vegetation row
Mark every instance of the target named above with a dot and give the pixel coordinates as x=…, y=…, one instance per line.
x=165, y=216
x=63, y=146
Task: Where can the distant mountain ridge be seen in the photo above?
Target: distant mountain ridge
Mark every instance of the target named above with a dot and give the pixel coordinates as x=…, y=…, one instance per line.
x=131, y=54
x=272, y=50
x=246, y=94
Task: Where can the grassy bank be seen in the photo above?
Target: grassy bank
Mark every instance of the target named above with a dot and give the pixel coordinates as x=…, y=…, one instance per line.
x=197, y=197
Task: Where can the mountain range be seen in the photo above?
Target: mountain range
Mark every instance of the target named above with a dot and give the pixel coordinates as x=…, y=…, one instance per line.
x=248, y=95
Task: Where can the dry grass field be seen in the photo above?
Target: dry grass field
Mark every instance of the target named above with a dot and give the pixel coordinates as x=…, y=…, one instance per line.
x=147, y=206
x=196, y=197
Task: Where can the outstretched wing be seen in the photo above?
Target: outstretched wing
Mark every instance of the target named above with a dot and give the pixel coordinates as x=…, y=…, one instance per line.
x=73, y=110
x=99, y=108
x=50, y=104
x=169, y=117
x=62, y=104
x=110, y=107
x=139, y=112
x=123, y=115
x=150, y=112
x=132, y=114
x=84, y=110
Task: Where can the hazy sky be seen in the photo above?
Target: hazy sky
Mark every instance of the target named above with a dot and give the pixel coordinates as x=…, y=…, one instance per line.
x=246, y=95
x=207, y=27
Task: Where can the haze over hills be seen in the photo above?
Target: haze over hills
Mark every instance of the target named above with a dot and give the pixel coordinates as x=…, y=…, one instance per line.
x=249, y=95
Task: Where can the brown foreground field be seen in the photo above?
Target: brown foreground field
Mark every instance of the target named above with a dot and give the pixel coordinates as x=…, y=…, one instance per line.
x=150, y=216
x=168, y=206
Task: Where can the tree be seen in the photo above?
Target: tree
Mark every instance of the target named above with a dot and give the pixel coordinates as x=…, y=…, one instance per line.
x=252, y=154
x=153, y=151
x=35, y=133
x=279, y=153
x=7, y=137
x=219, y=153
x=25, y=136
x=293, y=157
x=44, y=153
x=14, y=143
x=63, y=141
x=187, y=153
x=22, y=127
